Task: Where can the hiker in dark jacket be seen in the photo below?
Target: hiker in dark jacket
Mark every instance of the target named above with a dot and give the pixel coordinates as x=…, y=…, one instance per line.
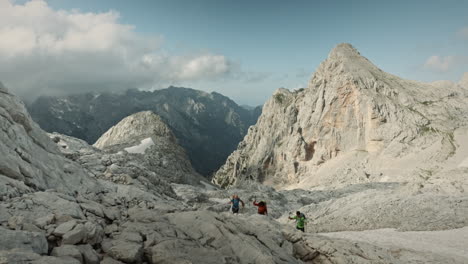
x=235, y=201
x=262, y=207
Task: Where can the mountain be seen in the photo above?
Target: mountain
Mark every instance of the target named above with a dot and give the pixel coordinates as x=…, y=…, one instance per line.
x=146, y=133
x=353, y=124
x=208, y=125
x=65, y=201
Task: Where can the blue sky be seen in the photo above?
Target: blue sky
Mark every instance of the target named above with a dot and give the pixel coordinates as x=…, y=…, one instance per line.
x=272, y=44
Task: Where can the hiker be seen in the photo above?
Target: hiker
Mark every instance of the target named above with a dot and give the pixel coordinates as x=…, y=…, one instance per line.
x=300, y=220
x=262, y=207
x=235, y=203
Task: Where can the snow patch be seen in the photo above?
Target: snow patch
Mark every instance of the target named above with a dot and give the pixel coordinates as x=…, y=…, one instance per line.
x=141, y=148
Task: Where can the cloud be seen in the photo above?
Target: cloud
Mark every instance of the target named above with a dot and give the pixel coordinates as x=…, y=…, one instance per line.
x=43, y=50
x=441, y=63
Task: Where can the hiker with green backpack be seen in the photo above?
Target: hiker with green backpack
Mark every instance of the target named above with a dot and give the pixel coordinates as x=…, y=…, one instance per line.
x=300, y=221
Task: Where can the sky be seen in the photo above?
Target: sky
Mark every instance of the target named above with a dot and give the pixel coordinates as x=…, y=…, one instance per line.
x=242, y=49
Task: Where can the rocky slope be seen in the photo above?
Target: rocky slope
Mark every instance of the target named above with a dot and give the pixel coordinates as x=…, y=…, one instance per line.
x=208, y=125
x=29, y=160
x=93, y=206
x=353, y=124
x=362, y=149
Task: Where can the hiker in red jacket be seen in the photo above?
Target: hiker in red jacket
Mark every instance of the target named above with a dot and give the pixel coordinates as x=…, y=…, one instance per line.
x=262, y=207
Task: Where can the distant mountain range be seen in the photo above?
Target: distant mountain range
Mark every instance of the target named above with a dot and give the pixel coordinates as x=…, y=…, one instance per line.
x=208, y=125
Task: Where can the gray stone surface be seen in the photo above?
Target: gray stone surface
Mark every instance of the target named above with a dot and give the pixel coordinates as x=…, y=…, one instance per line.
x=89, y=255
x=31, y=160
x=64, y=228
x=74, y=236
x=145, y=133
x=67, y=251
x=28, y=241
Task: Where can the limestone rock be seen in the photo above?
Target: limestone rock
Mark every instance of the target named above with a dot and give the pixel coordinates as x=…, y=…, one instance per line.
x=13, y=239
x=353, y=124
x=65, y=228
x=19, y=256
x=67, y=251
x=75, y=236
x=94, y=233
x=89, y=255
x=146, y=133
x=44, y=221
x=124, y=250
x=30, y=160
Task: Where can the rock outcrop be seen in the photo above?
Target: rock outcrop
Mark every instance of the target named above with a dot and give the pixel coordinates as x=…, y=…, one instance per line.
x=145, y=134
x=30, y=161
x=208, y=125
x=353, y=124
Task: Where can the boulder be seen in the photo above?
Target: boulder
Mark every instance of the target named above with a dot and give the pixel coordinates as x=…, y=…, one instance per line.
x=67, y=251
x=75, y=236
x=64, y=228
x=89, y=255
x=41, y=222
x=28, y=241
x=124, y=250
x=94, y=233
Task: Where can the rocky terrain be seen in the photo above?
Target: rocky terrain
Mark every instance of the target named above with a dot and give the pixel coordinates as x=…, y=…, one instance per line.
x=133, y=197
x=208, y=125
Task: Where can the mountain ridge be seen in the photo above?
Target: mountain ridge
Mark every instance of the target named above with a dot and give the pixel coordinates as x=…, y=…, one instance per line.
x=208, y=125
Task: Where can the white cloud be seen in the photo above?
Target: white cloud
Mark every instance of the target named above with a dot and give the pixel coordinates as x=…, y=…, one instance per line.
x=440, y=63
x=43, y=50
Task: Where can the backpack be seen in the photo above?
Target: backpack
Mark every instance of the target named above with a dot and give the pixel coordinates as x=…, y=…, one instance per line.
x=303, y=215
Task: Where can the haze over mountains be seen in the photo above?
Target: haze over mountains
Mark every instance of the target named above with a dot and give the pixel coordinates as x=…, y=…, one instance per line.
x=378, y=164
x=208, y=125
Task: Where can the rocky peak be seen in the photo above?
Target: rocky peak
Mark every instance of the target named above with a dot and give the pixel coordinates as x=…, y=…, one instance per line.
x=346, y=61
x=344, y=50
x=351, y=109
x=135, y=128
x=146, y=133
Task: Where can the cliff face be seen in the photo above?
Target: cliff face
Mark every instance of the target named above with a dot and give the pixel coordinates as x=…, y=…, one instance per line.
x=354, y=123
x=29, y=160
